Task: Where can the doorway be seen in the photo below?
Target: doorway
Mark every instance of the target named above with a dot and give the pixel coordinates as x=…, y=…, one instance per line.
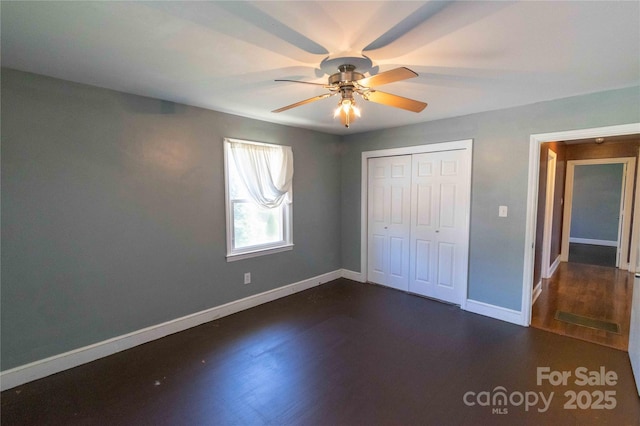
x=535, y=144
x=597, y=211
x=415, y=219
x=587, y=301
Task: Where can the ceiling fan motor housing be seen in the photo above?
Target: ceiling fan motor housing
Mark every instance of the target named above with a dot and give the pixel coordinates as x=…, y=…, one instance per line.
x=346, y=75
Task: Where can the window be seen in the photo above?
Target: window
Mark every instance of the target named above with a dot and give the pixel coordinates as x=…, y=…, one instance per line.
x=259, y=197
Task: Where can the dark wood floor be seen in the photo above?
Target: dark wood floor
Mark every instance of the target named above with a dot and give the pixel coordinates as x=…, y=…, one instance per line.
x=592, y=291
x=341, y=354
x=592, y=254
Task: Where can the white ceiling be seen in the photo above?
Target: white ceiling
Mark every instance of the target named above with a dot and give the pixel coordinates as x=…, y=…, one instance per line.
x=470, y=56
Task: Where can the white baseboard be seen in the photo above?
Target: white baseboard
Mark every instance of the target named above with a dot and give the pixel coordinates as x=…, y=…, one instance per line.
x=45, y=367
x=493, y=311
x=635, y=367
x=593, y=242
x=351, y=275
x=536, y=292
x=554, y=266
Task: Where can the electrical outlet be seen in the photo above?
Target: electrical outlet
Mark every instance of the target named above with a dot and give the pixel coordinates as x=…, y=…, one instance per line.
x=247, y=277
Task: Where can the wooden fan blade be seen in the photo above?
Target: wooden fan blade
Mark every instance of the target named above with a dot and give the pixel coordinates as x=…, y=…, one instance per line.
x=395, y=101
x=306, y=101
x=305, y=82
x=386, y=77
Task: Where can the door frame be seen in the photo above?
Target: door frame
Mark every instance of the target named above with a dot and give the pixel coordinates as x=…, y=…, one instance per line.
x=535, y=141
x=466, y=144
x=626, y=197
x=552, y=157
x=634, y=256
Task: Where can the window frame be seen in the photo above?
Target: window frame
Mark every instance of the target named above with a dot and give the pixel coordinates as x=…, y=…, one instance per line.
x=233, y=253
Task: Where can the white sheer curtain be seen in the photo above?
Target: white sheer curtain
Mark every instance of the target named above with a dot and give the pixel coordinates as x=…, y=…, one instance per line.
x=266, y=170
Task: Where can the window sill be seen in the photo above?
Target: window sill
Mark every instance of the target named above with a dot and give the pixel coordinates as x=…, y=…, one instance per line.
x=256, y=253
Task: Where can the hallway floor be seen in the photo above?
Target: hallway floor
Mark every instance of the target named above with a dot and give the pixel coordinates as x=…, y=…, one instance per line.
x=597, y=292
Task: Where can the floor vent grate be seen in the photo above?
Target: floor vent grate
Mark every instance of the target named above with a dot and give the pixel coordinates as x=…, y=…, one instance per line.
x=580, y=320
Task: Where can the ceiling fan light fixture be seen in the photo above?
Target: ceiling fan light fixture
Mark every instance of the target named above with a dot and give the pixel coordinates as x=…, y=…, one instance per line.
x=346, y=105
x=347, y=111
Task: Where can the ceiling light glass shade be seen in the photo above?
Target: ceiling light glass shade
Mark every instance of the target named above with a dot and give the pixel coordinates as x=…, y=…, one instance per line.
x=347, y=111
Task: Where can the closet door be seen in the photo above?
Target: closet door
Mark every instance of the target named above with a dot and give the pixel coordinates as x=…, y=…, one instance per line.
x=389, y=203
x=440, y=194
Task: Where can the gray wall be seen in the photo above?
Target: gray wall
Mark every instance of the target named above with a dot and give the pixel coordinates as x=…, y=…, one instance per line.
x=595, y=208
x=499, y=177
x=113, y=206
x=113, y=213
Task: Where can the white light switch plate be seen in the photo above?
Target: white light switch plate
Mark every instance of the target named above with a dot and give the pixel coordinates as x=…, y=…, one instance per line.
x=502, y=211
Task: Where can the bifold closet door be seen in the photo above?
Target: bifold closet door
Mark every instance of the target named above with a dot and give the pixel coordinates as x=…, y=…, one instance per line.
x=440, y=195
x=389, y=225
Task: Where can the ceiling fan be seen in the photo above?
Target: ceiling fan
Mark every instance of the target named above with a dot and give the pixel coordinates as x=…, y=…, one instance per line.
x=348, y=81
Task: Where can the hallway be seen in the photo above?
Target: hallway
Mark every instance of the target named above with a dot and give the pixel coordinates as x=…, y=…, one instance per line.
x=594, y=292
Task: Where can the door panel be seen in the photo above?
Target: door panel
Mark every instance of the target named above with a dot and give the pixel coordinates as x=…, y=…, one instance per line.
x=449, y=168
x=440, y=273
x=398, y=195
x=446, y=264
x=423, y=251
x=425, y=168
x=389, y=206
x=378, y=204
x=447, y=205
x=377, y=259
x=396, y=254
x=423, y=213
